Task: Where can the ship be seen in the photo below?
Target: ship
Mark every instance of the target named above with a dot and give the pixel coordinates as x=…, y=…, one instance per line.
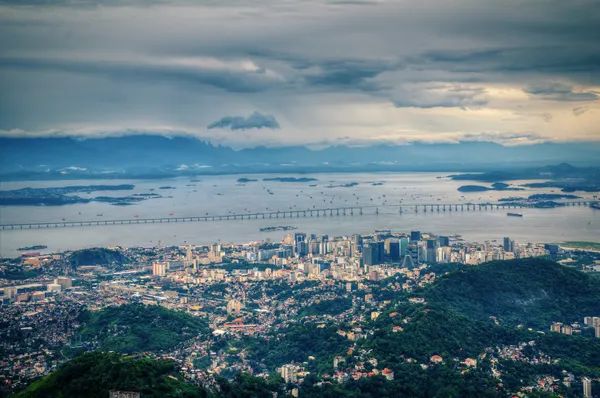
x=595, y=205
x=278, y=228
x=514, y=214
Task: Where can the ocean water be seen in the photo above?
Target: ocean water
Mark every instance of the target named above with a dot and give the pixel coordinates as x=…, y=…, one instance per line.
x=222, y=195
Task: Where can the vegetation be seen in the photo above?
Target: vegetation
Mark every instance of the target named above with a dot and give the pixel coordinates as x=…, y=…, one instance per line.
x=96, y=256
x=331, y=307
x=582, y=245
x=139, y=328
x=296, y=344
x=532, y=292
x=94, y=374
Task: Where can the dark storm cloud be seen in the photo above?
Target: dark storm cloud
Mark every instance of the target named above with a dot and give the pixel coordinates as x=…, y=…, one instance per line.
x=559, y=92
x=352, y=74
x=254, y=121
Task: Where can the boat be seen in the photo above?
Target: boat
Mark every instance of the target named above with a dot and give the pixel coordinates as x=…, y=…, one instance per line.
x=595, y=205
x=514, y=214
x=278, y=228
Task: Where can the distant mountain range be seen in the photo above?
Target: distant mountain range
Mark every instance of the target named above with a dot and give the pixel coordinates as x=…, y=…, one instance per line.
x=150, y=156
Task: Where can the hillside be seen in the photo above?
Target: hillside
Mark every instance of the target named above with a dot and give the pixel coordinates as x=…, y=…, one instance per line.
x=532, y=292
x=96, y=256
x=138, y=328
x=94, y=374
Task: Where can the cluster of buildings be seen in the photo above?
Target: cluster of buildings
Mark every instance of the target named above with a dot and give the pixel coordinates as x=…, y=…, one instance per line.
x=251, y=289
x=576, y=328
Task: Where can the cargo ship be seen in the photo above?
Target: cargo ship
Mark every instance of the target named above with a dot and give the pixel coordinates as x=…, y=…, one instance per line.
x=279, y=228
x=514, y=214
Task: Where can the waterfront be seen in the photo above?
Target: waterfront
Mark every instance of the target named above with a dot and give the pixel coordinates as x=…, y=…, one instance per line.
x=193, y=198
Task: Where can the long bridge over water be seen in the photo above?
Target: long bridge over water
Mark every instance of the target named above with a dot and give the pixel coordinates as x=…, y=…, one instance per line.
x=323, y=212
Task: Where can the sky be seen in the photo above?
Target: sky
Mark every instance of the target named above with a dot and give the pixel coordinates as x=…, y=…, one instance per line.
x=316, y=72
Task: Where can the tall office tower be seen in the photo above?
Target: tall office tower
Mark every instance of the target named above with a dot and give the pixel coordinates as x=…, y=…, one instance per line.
x=300, y=245
x=369, y=255
x=415, y=236
x=444, y=241
x=432, y=246
x=392, y=249
x=587, y=387
x=403, y=247
x=507, y=247
x=413, y=252
x=380, y=252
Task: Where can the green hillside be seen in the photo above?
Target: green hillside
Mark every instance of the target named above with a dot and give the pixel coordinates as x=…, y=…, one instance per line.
x=138, y=328
x=96, y=256
x=532, y=292
x=94, y=374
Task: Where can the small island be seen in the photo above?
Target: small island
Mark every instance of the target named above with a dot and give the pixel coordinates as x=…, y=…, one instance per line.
x=244, y=180
x=290, y=179
x=57, y=196
x=497, y=186
x=348, y=185
x=34, y=247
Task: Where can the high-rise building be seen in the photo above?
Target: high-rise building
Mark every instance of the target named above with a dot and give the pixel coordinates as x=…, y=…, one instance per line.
x=431, y=250
x=444, y=241
x=373, y=253
x=587, y=387
x=413, y=252
x=234, y=307
x=159, y=269
x=65, y=282
x=415, y=236
x=380, y=252
x=392, y=249
x=403, y=247
x=289, y=373
x=369, y=256
x=300, y=244
x=509, y=245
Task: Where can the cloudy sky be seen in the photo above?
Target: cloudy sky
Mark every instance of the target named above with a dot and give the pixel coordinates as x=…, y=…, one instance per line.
x=321, y=72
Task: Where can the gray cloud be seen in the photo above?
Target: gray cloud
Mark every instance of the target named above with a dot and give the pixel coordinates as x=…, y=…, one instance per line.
x=218, y=73
x=167, y=65
x=254, y=121
x=560, y=92
x=440, y=96
x=580, y=110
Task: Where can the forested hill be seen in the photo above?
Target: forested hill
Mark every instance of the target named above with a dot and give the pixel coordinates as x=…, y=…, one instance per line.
x=94, y=374
x=532, y=292
x=139, y=328
x=96, y=256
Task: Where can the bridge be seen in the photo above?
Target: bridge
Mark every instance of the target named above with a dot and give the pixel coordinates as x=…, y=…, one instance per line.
x=324, y=212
